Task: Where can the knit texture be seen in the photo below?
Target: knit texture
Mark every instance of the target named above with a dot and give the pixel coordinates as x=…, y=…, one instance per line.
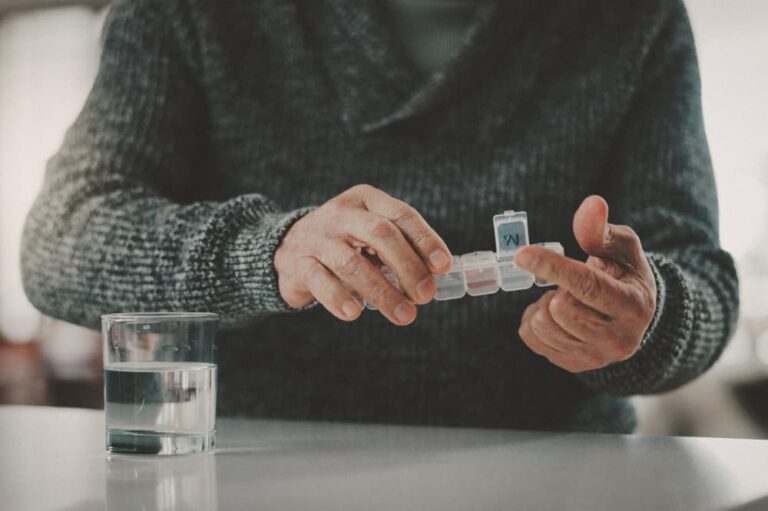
x=212, y=126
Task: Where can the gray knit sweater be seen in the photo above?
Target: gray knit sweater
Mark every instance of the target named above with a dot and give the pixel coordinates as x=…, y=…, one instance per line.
x=212, y=126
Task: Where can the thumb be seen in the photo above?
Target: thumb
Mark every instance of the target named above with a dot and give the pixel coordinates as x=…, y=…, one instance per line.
x=590, y=224
x=598, y=238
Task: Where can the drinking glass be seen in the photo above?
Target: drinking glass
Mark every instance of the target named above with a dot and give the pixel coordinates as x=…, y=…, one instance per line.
x=160, y=382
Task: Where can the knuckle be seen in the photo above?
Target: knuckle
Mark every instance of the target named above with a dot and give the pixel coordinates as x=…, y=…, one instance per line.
x=381, y=228
x=312, y=276
x=558, y=306
x=423, y=237
x=630, y=235
x=346, y=262
x=326, y=287
x=634, y=239
x=402, y=212
x=362, y=189
x=589, y=287
x=640, y=302
x=625, y=238
x=588, y=323
x=619, y=232
x=638, y=299
x=335, y=208
x=305, y=268
x=546, y=300
x=647, y=301
x=621, y=229
x=549, y=296
x=528, y=312
x=539, y=320
x=650, y=301
x=415, y=268
x=380, y=291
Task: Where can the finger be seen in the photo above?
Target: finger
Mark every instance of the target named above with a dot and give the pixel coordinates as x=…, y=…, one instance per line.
x=605, y=334
x=389, y=245
x=545, y=328
x=570, y=360
x=589, y=349
x=527, y=312
x=328, y=290
x=535, y=343
x=599, y=238
x=354, y=269
x=579, y=320
x=416, y=230
x=593, y=287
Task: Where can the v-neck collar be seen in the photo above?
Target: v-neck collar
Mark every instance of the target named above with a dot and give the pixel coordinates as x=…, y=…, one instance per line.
x=376, y=81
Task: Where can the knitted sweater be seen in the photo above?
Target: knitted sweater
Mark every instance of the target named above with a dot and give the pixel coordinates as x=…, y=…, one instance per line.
x=212, y=126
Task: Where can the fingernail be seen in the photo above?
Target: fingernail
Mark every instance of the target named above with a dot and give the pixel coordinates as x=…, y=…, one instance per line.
x=525, y=259
x=439, y=258
x=424, y=288
x=350, y=309
x=405, y=312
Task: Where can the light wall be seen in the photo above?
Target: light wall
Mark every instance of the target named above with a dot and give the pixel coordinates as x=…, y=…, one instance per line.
x=732, y=39
x=48, y=59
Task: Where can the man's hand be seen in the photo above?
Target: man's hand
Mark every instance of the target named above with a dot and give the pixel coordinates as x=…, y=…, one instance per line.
x=321, y=254
x=603, y=307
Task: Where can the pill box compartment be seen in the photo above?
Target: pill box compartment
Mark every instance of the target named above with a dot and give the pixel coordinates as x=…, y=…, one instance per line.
x=514, y=278
x=452, y=284
x=481, y=272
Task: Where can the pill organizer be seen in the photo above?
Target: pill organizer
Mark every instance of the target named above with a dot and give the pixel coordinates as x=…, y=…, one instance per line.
x=485, y=272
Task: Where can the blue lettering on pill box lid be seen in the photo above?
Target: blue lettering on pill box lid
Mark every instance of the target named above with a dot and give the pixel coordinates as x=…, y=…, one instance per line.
x=512, y=235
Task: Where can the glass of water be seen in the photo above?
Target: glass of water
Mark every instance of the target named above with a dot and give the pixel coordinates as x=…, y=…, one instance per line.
x=160, y=382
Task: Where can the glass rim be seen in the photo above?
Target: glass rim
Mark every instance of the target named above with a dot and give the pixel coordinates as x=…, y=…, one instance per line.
x=143, y=317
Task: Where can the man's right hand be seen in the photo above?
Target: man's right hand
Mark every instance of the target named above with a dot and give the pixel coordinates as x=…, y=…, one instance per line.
x=320, y=255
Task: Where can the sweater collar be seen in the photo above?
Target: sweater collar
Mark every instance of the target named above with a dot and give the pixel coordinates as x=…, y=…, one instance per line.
x=376, y=82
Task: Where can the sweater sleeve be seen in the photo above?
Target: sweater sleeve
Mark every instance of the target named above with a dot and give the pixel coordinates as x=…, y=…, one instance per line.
x=659, y=181
x=117, y=226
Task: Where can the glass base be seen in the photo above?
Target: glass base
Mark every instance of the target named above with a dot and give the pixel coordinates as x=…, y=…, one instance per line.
x=122, y=441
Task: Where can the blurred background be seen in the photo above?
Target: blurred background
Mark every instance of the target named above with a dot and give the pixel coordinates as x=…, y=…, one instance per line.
x=49, y=52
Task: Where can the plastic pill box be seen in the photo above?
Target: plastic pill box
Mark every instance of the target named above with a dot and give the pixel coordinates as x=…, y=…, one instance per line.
x=485, y=272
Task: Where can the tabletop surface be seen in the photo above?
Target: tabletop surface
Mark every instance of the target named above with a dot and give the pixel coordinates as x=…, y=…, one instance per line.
x=54, y=459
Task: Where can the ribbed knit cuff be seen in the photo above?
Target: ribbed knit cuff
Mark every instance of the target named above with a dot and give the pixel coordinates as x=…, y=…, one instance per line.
x=658, y=358
x=251, y=262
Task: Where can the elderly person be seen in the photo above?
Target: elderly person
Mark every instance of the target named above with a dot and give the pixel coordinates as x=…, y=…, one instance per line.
x=248, y=157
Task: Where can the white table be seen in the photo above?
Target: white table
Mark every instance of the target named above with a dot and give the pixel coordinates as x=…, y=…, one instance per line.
x=54, y=459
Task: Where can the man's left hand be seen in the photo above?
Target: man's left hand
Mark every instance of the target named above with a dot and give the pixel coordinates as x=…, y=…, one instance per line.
x=603, y=306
